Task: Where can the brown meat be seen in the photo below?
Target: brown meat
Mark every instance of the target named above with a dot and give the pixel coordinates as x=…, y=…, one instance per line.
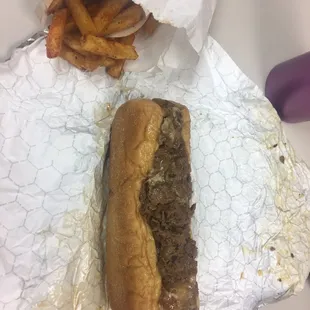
x=165, y=205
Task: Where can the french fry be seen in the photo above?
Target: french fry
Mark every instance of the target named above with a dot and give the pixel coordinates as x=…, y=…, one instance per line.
x=102, y=61
x=107, y=12
x=73, y=40
x=107, y=62
x=92, y=8
x=81, y=17
x=116, y=70
x=109, y=48
x=54, y=6
x=70, y=25
x=90, y=2
x=150, y=25
x=124, y=20
x=56, y=33
x=79, y=61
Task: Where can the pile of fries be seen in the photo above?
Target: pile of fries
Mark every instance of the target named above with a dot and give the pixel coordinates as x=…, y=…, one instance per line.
x=80, y=30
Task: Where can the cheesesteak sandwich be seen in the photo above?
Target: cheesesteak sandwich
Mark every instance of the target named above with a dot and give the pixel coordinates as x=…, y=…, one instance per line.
x=151, y=257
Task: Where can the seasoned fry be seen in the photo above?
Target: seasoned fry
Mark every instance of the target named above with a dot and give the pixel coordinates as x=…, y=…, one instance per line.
x=116, y=70
x=102, y=61
x=54, y=6
x=70, y=25
x=90, y=2
x=108, y=11
x=74, y=37
x=109, y=48
x=92, y=8
x=150, y=25
x=73, y=40
x=77, y=60
x=125, y=20
x=81, y=16
x=56, y=33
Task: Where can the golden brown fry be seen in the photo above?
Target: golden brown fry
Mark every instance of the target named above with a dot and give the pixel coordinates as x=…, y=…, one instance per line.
x=70, y=25
x=89, y=2
x=54, y=6
x=95, y=61
x=92, y=8
x=102, y=61
x=56, y=33
x=107, y=12
x=73, y=40
x=81, y=16
x=125, y=20
x=116, y=70
x=109, y=48
x=77, y=60
x=150, y=25
x=107, y=62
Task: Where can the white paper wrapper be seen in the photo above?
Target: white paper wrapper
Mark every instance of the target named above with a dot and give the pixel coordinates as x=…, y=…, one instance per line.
x=177, y=43
x=194, y=16
x=252, y=219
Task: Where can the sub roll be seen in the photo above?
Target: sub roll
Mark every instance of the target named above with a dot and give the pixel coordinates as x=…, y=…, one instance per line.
x=151, y=256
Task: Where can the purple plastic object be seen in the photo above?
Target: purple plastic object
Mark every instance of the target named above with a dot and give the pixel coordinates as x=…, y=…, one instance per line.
x=288, y=89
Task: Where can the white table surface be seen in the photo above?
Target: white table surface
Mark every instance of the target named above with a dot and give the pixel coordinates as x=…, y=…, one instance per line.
x=257, y=35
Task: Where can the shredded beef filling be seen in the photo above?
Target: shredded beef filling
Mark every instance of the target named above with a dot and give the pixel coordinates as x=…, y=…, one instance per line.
x=165, y=205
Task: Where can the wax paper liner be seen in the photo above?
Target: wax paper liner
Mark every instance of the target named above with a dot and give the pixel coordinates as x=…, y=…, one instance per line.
x=176, y=44
x=252, y=219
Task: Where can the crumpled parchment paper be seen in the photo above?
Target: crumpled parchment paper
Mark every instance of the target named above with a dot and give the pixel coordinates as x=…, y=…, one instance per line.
x=252, y=219
x=177, y=43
